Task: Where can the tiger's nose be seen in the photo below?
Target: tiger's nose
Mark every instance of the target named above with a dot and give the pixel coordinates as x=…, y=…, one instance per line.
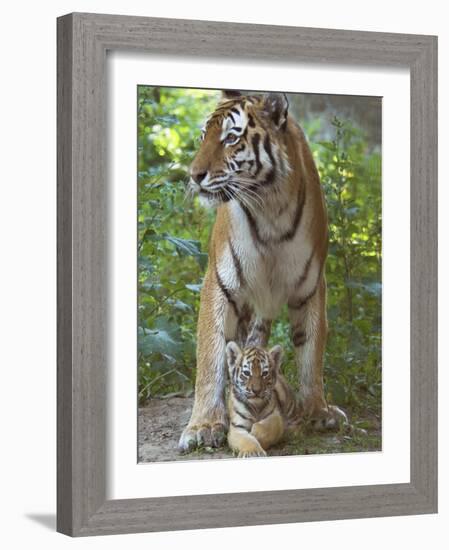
x=198, y=177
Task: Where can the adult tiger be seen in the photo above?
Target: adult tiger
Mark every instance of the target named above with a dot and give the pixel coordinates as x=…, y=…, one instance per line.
x=268, y=248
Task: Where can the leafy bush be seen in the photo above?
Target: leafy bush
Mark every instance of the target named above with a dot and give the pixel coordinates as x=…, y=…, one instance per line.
x=173, y=237
x=351, y=177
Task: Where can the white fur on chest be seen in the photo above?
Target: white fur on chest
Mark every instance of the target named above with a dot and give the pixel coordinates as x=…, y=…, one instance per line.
x=270, y=274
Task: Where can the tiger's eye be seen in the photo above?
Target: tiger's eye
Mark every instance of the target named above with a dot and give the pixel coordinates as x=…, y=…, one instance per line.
x=230, y=139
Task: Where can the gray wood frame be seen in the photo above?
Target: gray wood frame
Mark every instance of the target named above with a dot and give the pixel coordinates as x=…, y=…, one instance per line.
x=83, y=40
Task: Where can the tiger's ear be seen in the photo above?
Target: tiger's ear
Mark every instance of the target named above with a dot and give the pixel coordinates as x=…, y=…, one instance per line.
x=230, y=94
x=233, y=355
x=276, y=107
x=276, y=354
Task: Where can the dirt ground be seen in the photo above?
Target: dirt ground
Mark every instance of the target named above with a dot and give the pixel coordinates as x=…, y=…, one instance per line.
x=161, y=421
x=160, y=425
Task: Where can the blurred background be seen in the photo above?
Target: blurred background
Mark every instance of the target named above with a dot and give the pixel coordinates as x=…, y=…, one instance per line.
x=344, y=133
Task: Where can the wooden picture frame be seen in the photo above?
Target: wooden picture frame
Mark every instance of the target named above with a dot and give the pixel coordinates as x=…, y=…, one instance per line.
x=83, y=40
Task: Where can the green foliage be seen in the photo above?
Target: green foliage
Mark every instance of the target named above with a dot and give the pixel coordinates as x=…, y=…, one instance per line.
x=173, y=236
x=351, y=176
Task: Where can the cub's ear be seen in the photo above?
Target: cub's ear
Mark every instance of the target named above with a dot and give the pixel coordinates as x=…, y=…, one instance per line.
x=276, y=107
x=230, y=94
x=276, y=354
x=233, y=354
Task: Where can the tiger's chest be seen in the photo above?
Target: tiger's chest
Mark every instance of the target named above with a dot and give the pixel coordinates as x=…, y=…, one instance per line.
x=271, y=277
x=267, y=275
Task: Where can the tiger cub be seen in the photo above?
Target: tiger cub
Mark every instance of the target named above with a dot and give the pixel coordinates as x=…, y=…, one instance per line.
x=261, y=404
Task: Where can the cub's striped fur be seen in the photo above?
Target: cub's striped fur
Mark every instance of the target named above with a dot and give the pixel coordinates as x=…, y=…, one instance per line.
x=261, y=404
x=268, y=248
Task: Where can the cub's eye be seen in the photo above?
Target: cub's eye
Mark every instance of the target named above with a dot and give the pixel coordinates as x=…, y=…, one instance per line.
x=246, y=372
x=265, y=373
x=230, y=139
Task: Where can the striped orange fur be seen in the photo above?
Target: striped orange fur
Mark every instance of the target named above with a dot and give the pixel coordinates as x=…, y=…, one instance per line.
x=267, y=249
x=261, y=404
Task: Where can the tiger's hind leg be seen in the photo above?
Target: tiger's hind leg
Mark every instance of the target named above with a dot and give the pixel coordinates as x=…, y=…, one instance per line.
x=309, y=330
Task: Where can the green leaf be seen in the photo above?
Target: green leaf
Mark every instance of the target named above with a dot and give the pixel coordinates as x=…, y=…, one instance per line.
x=329, y=145
x=167, y=120
x=180, y=305
x=194, y=288
x=189, y=247
x=164, y=337
x=375, y=288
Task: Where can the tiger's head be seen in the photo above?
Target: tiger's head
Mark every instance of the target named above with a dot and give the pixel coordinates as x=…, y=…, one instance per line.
x=253, y=371
x=242, y=152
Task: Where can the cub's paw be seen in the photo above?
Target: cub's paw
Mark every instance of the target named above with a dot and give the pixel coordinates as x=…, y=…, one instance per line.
x=250, y=449
x=328, y=418
x=202, y=435
x=252, y=453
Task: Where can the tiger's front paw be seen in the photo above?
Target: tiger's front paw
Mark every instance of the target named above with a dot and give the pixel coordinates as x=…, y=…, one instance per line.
x=206, y=434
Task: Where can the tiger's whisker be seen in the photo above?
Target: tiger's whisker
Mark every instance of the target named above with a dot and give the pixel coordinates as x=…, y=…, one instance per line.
x=245, y=200
x=249, y=193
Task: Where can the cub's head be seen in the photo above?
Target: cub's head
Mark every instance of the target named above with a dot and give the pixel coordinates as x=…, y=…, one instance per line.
x=242, y=152
x=253, y=370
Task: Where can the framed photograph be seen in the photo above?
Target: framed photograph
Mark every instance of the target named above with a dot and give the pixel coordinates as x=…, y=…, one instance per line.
x=247, y=274
x=263, y=345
